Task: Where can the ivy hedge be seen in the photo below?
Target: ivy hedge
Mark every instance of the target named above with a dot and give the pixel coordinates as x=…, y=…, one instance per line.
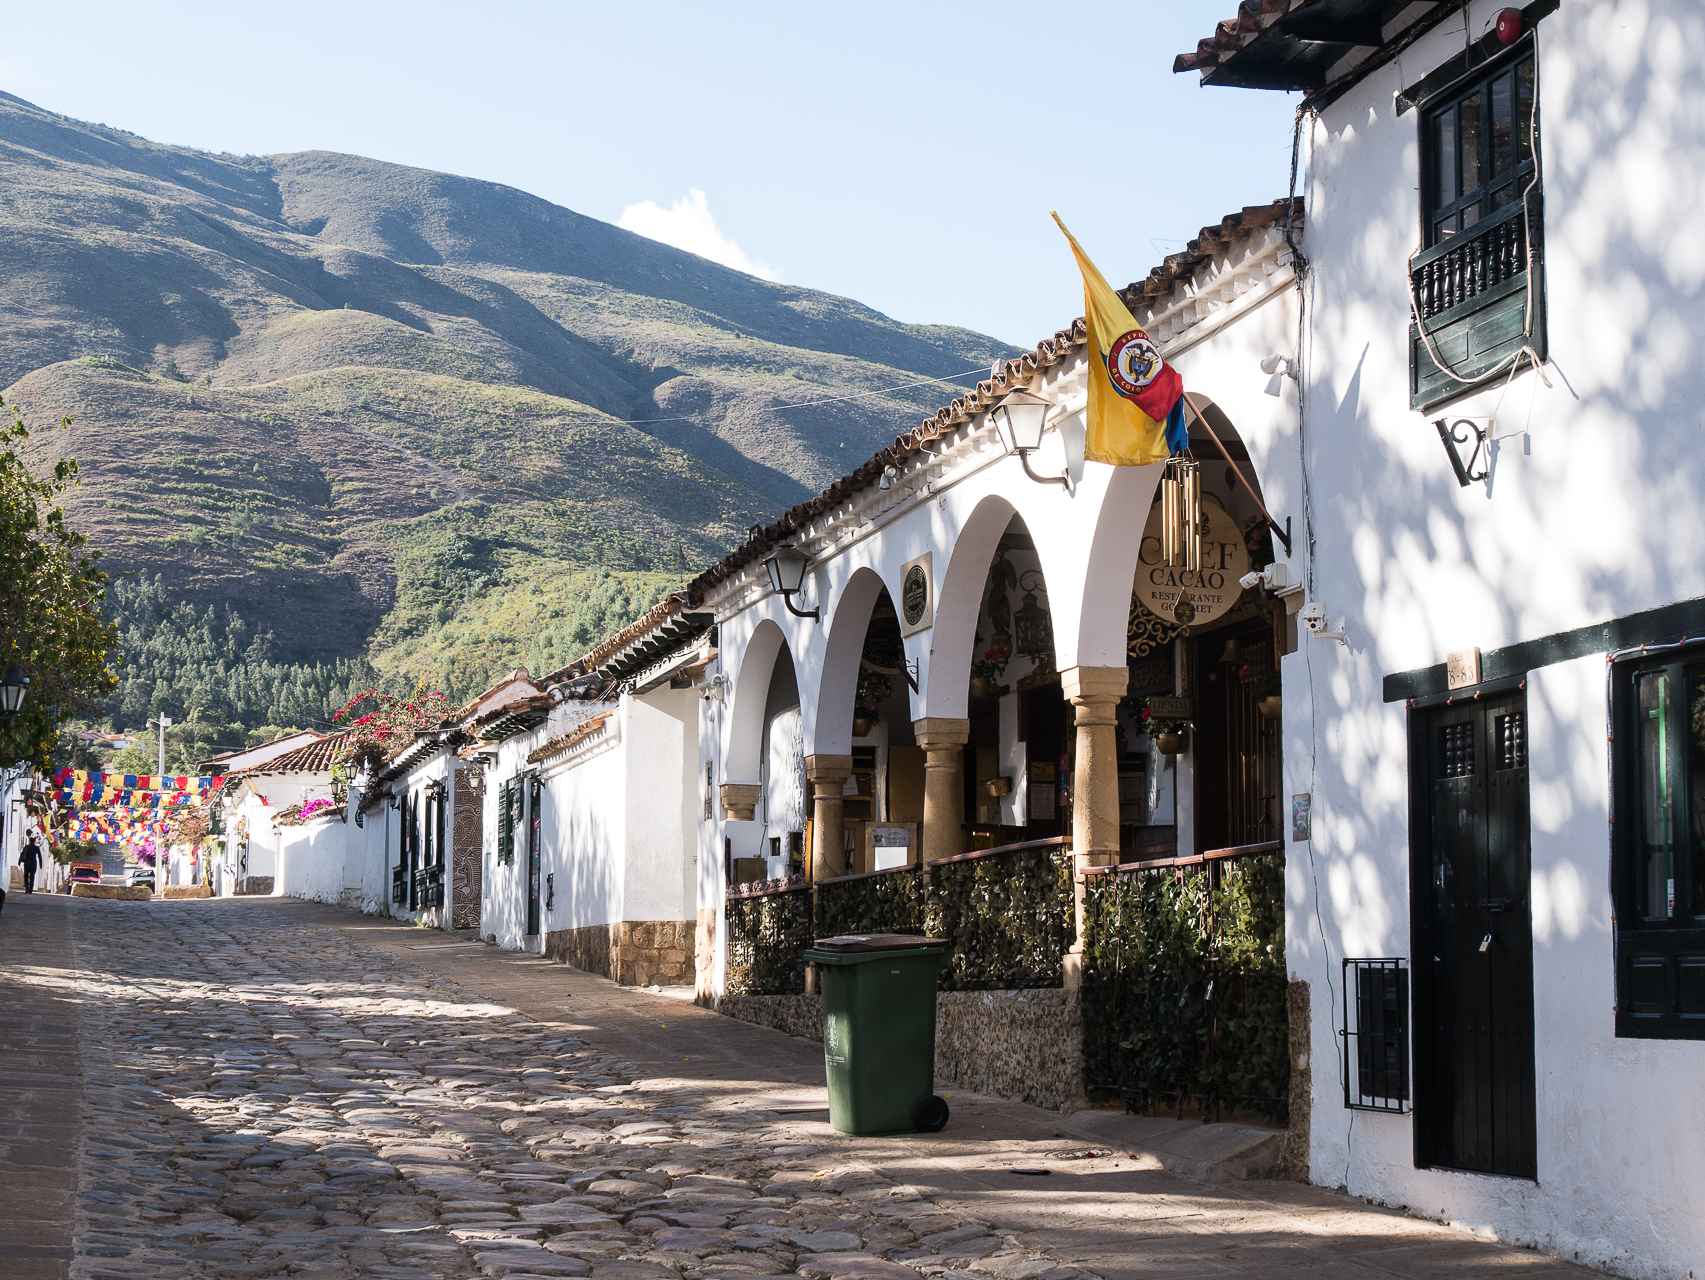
x=1010, y=918
x=767, y=937
x=1184, y=986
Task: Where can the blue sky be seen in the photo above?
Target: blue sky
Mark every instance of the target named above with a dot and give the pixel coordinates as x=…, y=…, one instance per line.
x=906, y=155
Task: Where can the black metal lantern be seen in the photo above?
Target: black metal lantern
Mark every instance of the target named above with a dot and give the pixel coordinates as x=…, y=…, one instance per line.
x=787, y=576
x=1034, y=628
x=12, y=690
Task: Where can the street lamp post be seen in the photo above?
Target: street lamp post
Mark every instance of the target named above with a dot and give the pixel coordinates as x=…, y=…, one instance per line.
x=12, y=689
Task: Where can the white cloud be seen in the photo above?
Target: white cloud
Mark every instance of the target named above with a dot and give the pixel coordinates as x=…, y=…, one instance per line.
x=689, y=224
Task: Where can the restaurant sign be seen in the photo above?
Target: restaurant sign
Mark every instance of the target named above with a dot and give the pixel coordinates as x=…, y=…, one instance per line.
x=1189, y=597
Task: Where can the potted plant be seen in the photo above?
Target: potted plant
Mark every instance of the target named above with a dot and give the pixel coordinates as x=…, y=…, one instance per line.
x=1168, y=735
x=985, y=671
x=873, y=690
x=1267, y=694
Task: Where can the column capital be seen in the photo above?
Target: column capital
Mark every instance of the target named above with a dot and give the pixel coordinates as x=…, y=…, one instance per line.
x=1094, y=684
x=941, y=731
x=828, y=768
x=740, y=800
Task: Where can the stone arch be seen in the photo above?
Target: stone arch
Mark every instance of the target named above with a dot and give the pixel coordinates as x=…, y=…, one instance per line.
x=751, y=693
x=838, y=679
x=958, y=602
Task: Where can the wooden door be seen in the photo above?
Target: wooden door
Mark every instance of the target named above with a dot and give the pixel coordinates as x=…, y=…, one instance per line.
x=1473, y=938
x=534, y=854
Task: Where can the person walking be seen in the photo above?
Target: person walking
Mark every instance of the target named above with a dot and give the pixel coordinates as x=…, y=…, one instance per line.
x=32, y=863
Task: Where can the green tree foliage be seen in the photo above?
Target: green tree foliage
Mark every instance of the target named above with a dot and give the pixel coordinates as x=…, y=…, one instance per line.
x=50, y=603
x=183, y=661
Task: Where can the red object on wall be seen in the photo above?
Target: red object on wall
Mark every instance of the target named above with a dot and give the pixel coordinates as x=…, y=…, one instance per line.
x=1509, y=25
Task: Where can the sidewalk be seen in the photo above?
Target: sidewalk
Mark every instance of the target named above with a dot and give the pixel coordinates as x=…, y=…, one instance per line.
x=40, y=1094
x=1120, y=1217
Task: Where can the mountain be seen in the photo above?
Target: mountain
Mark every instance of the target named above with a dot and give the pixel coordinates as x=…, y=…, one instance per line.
x=380, y=409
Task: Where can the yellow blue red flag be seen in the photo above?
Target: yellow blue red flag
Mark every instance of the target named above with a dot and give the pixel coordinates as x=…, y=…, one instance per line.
x=1132, y=391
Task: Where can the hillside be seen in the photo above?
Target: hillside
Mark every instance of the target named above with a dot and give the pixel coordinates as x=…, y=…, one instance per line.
x=368, y=405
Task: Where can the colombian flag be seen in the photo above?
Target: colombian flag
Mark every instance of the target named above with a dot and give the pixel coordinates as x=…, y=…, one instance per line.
x=1132, y=391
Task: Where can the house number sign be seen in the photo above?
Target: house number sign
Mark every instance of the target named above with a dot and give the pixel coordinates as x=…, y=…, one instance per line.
x=1183, y=596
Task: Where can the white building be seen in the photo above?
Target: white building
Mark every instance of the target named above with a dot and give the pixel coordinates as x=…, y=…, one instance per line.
x=591, y=813
x=1497, y=756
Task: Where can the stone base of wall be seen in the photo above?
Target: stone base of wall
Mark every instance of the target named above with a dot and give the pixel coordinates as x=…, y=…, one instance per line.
x=704, y=959
x=187, y=891
x=1026, y=1045
x=800, y=1016
x=253, y=885
x=636, y=953
x=1293, y=1156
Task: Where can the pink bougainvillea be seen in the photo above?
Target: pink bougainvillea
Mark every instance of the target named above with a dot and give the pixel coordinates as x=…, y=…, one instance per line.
x=376, y=726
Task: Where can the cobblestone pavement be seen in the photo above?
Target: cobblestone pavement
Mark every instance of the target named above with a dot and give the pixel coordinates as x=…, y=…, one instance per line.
x=268, y=1098
x=271, y=1088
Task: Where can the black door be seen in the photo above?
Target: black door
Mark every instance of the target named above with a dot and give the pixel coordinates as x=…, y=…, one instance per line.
x=411, y=840
x=534, y=788
x=1473, y=961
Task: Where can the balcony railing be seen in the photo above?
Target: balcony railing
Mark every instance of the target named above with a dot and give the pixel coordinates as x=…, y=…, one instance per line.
x=1480, y=298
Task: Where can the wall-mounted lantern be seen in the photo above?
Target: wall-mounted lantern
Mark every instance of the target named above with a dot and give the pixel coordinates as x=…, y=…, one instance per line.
x=1019, y=418
x=787, y=576
x=1033, y=626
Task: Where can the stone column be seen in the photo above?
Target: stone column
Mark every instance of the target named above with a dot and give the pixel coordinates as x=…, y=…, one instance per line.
x=827, y=775
x=1094, y=692
x=740, y=800
x=943, y=740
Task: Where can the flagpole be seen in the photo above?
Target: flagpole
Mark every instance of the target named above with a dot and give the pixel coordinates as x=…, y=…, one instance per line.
x=1283, y=535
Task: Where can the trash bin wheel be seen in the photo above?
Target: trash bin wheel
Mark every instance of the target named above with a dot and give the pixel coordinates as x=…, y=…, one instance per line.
x=929, y=1114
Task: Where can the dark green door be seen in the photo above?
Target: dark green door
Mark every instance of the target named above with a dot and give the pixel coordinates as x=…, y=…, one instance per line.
x=534, y=854
x=1473, y=961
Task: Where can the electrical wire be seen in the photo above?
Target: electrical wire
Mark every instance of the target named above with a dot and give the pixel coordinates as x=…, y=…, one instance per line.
x=806, y=404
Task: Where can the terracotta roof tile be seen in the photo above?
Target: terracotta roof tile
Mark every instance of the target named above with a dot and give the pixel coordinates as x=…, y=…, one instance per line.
x=1253, y=17
x=573, y=738
x=312, y=757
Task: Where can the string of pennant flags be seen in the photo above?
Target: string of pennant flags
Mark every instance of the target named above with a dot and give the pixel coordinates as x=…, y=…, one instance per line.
x=115, y=808
x=68, y=779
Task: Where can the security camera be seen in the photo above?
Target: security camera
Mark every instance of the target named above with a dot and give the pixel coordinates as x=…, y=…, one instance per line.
x=1313, y=616
x=1274, y=577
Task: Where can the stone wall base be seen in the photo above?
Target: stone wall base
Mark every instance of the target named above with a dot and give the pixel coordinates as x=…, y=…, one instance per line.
x=704, y=958
x=636, y=953
x=254, y=885
x=1026, y=1045
x=1293, y=1157
x=187, y=891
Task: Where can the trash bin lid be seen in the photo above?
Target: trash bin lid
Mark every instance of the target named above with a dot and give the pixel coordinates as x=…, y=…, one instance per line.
x=852, y=943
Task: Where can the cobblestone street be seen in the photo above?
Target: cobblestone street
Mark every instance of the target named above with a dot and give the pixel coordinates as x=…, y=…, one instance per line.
x=277, y=1089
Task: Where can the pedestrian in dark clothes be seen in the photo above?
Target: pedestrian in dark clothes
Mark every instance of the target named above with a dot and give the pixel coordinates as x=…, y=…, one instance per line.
x=32, y=864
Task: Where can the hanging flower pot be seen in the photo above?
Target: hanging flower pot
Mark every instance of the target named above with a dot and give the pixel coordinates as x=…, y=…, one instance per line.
x=862, y=727
x=1169, y=744
x=981, y=687
x=1270, y=707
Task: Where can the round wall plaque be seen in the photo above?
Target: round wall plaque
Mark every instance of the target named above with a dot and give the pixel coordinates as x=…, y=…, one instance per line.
x=914, y=595
x=1192, y=598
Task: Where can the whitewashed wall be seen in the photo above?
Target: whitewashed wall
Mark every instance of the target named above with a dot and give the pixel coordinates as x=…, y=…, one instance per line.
x=1592, y=511
x=311, y=860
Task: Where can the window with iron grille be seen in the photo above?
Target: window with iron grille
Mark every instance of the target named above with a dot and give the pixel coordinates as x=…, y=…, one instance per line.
x=1477, y=282
x=507, y=795
x=1658, y=840
x=1376, y=1035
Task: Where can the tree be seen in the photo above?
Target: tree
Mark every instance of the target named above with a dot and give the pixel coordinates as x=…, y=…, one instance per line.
x=51, y=591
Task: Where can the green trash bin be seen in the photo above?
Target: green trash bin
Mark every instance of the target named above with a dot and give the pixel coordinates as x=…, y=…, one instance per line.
x=879, y=1031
